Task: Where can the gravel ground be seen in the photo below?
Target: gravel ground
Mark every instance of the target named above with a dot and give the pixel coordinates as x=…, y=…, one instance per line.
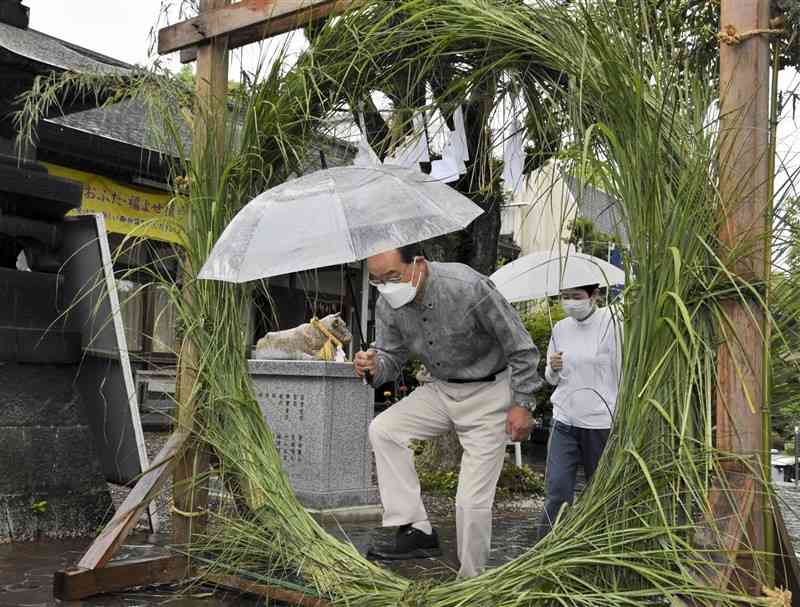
x=437, y=507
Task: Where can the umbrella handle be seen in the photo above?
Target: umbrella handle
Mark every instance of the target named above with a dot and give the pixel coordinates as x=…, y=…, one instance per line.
x=361, y=337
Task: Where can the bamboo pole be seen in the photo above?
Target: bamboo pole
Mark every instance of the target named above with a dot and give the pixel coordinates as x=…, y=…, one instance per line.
x=190, y=489
x=744, y=178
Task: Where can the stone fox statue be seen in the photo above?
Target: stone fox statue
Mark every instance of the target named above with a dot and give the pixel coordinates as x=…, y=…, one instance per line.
x=303, y=342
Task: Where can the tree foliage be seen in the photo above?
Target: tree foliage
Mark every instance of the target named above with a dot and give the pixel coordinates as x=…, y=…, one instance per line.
x=589, y=239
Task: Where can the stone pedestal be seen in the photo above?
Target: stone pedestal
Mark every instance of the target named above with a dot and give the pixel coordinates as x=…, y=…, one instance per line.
x=319, y=413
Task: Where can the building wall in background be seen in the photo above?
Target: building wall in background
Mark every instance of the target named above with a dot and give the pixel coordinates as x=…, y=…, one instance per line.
x=537, y=217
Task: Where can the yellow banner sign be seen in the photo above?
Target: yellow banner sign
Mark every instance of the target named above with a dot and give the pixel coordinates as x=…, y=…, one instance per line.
x=127, y=209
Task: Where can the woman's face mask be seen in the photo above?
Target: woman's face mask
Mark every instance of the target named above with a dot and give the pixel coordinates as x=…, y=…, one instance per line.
x=578, y=309
x=398, y=294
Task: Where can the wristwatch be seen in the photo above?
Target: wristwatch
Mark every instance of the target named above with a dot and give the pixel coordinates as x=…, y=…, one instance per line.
x=530, y=405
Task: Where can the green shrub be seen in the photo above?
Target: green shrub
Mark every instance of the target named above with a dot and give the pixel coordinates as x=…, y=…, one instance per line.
x=539, y=324
x=516, y=481
x=439, y=482
x=513, y=481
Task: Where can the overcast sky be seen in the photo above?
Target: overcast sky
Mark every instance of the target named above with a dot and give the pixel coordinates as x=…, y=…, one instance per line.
x=121, y=29
x=118, y=28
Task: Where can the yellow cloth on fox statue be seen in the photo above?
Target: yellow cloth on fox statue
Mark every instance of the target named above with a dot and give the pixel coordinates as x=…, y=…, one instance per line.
x=328, y=350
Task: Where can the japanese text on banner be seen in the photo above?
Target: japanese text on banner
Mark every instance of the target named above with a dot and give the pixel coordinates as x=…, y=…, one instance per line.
x=127, y=209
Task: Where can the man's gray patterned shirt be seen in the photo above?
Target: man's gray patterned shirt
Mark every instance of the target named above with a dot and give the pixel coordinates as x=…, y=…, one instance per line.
x=462, y=329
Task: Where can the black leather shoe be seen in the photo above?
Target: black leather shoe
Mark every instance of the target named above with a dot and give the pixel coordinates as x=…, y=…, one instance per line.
x=409, y=543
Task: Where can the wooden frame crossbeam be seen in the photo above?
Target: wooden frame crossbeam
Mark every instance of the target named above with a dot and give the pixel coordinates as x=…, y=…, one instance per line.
x=247, y=21
x=271, y=593
x=78, y=583
x=94, y=574
x=127, y=515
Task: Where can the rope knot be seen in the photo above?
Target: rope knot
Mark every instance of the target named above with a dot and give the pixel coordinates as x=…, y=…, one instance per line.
x=186, y=514
x=328, y=349
x=731, y=36
x=777, y=597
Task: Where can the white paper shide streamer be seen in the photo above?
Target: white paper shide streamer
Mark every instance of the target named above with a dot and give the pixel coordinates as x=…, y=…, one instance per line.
x=455, y=152
x=365, y=156
x=514, y=157
x=413, y=150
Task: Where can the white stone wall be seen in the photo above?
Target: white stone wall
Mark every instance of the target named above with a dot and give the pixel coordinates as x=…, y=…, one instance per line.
x=538, y=216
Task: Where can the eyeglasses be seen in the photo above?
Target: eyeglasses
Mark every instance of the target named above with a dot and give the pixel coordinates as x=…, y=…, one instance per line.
x=392, y=281
x=388, y=281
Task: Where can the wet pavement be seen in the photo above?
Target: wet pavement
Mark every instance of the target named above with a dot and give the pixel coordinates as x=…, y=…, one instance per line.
x=26, y=576
x=512, y=535
x=26, y=570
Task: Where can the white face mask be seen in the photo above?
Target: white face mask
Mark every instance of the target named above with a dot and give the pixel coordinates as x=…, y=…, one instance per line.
x=577, y=308
x=398, y=294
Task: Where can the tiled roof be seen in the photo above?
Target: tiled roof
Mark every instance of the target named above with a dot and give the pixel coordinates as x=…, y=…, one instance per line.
x=56, y=54
x=126, y=121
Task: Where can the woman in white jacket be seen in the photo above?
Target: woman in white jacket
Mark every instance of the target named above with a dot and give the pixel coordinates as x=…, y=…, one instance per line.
x=584, y=363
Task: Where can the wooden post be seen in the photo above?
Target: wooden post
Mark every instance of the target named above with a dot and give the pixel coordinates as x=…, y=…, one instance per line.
x=190, y=487
x=744, y=134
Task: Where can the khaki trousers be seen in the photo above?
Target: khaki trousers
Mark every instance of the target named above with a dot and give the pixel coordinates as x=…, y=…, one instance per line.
x=477, y=412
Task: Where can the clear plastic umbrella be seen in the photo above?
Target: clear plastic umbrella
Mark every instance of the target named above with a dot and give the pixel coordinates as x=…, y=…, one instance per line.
x=545, y=273
x=335, y=216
